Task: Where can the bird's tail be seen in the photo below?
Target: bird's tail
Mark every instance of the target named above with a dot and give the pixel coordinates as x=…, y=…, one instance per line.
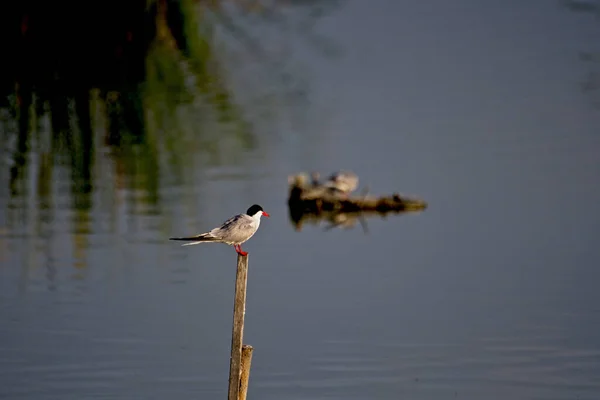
x=203, y=238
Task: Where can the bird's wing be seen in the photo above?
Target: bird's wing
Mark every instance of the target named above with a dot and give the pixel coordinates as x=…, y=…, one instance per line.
x=227, y=225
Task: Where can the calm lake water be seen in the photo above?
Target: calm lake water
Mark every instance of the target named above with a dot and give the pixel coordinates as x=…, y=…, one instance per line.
x=488, y=110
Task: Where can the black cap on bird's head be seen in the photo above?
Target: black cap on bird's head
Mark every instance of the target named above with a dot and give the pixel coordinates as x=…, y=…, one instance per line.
x=256, y=209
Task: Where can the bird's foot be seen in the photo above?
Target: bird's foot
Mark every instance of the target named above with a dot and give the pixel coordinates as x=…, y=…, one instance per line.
x=238, y=249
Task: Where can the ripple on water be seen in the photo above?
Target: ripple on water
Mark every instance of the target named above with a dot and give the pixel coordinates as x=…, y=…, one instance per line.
x=510, y=367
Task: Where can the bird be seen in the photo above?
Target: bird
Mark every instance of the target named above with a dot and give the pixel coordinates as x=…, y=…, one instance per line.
x=343, y=182
x=233, y=232
x=315, y=179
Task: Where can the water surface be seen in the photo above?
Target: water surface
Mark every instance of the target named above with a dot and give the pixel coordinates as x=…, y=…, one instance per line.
x=484, y=109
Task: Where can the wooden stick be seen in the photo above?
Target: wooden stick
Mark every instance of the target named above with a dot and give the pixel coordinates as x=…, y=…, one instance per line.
x=237, y=336
x=245, y=370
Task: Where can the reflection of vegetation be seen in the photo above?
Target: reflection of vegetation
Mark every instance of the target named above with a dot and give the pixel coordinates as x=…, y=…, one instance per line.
x=140, y=84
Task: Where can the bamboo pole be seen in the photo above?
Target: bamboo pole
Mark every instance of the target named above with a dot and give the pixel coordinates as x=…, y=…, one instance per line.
x=237, y=336
x=245, y=370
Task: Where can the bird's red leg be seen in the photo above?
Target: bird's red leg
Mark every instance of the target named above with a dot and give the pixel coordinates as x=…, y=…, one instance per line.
x=242, y=252
x=237, y=248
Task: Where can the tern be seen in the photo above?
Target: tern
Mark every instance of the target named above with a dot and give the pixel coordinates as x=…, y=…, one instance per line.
x=235, y=231
x=343, y=182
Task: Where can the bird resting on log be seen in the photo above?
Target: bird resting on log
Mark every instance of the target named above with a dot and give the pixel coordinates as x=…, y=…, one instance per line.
x=310, y=196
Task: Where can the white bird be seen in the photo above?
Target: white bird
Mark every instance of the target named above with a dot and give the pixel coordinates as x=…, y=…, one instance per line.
x=235, y=231
x=342, y=181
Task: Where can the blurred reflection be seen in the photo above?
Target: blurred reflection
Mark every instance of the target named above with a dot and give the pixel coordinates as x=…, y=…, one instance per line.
x=334, y=219
x=590, y=84
x=588, y=6
x=109, y=104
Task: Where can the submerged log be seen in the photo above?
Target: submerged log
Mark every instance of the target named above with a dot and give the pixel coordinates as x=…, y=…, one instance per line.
x=314, y=200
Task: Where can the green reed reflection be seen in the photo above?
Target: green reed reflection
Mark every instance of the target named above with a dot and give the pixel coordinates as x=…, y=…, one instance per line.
x=141, y=99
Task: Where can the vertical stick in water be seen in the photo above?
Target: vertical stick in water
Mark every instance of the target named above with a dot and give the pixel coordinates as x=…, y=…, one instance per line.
x=239, y=309
x=245, y=370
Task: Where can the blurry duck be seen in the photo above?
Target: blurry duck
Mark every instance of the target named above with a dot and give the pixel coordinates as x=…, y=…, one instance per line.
x=299, y=180
x=315, y=179
x=343, y=182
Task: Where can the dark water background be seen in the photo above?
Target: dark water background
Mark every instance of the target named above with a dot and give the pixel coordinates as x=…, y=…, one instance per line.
x=489, y=110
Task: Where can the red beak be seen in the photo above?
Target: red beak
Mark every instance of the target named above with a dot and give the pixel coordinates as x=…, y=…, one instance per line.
x=265, y=214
